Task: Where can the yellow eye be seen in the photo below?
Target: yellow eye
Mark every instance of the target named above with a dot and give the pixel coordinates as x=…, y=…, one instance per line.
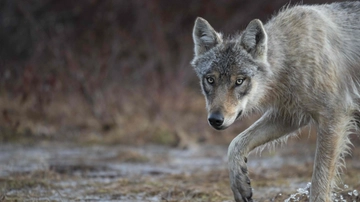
x=210, y=80
x=239, y=81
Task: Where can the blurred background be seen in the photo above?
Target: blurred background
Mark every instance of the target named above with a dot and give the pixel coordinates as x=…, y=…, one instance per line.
x=98, y=102
x=111, y=71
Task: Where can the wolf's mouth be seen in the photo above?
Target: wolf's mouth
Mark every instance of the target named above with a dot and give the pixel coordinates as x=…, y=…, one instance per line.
x=238, y=115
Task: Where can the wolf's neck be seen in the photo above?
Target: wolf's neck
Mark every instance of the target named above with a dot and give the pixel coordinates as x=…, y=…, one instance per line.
x=277, y=59
x=276, y=51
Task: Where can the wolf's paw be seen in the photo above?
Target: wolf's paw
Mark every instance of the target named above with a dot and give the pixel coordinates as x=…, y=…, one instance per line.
x=240, y=182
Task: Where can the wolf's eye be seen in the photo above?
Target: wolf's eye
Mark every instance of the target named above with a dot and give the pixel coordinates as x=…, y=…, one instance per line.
x=239, y=81
x=210, y=80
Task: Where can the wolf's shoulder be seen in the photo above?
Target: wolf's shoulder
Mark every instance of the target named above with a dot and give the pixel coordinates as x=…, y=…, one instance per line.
x=320, y=15
x=350, y=7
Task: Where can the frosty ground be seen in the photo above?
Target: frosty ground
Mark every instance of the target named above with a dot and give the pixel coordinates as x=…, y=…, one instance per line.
x=68, y=171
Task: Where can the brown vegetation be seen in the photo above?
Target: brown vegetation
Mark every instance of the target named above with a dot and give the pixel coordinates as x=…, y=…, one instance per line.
x=109, y=71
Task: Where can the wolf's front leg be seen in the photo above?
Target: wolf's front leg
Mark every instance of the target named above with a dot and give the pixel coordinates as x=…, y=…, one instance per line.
x=268, y=128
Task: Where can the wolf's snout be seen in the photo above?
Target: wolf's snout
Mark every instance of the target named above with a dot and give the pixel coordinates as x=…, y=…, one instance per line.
x=216, y=119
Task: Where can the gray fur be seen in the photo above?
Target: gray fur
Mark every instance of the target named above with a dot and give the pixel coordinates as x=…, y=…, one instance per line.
x=301, y=68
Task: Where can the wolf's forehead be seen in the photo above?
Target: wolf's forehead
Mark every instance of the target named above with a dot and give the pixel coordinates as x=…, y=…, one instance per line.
x=229, y=58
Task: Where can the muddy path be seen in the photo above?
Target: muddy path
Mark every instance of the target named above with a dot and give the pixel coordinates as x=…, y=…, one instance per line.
x=68, y=172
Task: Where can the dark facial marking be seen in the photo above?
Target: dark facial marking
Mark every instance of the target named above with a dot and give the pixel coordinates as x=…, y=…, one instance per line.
x=245, y=87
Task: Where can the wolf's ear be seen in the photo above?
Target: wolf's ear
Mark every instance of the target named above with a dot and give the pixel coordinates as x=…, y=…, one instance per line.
x=254, y=39
x=204, y=36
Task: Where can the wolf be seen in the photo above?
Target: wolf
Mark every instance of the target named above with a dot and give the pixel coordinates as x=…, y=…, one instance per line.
x=301, y=68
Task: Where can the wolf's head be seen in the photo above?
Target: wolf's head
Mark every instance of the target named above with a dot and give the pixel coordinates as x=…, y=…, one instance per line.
x=232, y=72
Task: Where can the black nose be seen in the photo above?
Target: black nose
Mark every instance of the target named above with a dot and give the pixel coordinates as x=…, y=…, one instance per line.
x=216, y=119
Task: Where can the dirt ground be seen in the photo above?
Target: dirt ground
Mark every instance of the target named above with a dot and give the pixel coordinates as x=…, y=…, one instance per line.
x=69, y=171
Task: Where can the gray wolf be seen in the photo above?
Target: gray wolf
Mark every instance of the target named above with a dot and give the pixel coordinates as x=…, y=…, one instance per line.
x=300, y=68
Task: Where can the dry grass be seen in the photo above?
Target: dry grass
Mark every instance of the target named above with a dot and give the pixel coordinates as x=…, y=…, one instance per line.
x=170, y=120
x=198, y=186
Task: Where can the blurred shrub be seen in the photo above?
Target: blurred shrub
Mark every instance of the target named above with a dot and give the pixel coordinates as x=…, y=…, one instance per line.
x=110, y=66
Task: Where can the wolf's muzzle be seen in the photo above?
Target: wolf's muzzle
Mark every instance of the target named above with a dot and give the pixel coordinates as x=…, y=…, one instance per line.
x=216, y=120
